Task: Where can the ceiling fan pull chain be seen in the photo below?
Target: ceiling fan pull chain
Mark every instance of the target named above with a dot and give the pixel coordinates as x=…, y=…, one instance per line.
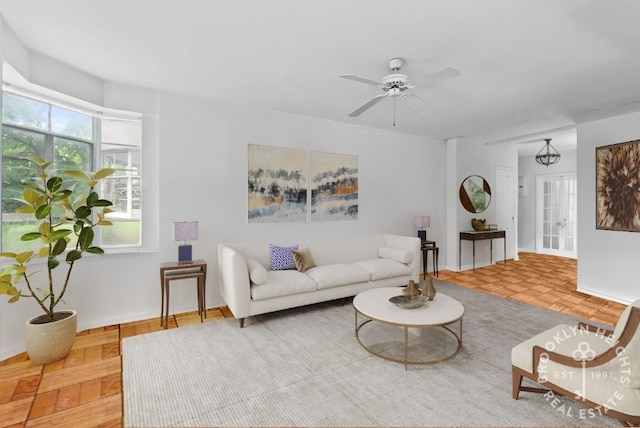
x=394, y=111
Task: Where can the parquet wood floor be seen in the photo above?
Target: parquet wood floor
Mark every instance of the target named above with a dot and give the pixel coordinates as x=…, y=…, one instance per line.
x=85, y=389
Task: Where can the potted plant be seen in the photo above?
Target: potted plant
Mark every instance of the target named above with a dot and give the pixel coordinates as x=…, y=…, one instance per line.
x=63, y=208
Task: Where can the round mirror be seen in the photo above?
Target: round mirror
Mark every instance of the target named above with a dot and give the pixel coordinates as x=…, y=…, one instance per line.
x=475, y=194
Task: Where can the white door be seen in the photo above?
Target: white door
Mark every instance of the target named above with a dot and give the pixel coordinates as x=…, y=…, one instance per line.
x=556, y=198
x=505, y=200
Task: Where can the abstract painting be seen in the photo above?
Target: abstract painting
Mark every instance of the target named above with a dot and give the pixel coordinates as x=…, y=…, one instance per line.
x=618, y=186
x=277, y=180
x=334, y=186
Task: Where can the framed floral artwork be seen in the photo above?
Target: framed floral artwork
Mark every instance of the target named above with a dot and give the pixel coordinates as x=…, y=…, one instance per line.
x=618, y=186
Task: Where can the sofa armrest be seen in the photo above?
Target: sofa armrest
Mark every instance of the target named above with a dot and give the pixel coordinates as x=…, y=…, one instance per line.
x=408, y=243
x=235, y=287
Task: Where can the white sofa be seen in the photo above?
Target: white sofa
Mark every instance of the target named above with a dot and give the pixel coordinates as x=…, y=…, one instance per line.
x=343, y=268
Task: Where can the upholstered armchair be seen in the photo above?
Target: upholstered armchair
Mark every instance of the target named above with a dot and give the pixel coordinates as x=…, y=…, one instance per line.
x=597, y=367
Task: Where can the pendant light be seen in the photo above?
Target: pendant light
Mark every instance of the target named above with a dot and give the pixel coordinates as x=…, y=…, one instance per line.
x=548, y=155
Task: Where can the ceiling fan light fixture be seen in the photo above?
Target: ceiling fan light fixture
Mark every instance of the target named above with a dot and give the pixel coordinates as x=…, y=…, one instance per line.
x=397, y=85
x=394, y=92
x=548, y=155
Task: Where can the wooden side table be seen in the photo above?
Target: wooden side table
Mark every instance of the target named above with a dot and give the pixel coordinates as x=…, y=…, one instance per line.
x=170, y=271
x=427, y=246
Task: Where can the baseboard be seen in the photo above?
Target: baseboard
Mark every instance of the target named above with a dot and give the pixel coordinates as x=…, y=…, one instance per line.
x=602, y=295
x=478, y=265
x=18, y=349
x=141, y=316
x=12, y=352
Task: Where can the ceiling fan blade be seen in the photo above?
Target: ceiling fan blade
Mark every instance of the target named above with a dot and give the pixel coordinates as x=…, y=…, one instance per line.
x=416, y=103
x=361, y=79
x=373, y=101
x=439, y=76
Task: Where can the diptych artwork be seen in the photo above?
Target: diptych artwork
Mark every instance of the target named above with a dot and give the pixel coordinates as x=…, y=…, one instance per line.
x=618, y=186
x=280, y=183
x=334, y=186
x=277, y=184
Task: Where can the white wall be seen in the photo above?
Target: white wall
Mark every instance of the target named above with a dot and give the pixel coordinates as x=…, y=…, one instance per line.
x=608, y=260
x=474, y=157
x=195, y=168
x=203, y=160
x=529, y=169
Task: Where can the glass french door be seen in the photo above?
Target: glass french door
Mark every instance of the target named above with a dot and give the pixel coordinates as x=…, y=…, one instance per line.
x=556, y=215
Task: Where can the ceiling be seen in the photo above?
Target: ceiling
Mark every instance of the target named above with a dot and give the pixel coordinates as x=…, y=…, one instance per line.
x=525, y=65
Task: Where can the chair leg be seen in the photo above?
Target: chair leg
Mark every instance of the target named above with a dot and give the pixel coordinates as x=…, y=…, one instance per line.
x=516, y=383
x=241, y=322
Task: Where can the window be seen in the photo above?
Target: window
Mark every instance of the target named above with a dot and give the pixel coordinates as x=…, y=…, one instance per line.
x=71, y=139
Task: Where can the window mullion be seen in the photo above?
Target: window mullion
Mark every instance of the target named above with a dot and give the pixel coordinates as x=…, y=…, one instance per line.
x=48, y=147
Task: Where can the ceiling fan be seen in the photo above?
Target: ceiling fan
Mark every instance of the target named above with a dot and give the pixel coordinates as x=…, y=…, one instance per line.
x=396, y=85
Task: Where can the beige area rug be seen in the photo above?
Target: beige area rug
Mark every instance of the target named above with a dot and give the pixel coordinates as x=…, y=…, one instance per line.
x=304, y=367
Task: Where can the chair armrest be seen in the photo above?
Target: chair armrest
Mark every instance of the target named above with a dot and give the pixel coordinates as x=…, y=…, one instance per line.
x=594, y=329
x=541, y=354
x=618, y=346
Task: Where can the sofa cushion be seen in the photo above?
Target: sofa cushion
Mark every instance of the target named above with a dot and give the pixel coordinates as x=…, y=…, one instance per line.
x=257, y=272
x=303, y=260
x=281, y=257
x=328, y=276
x=384, y=268
x=282, y=283
x=349, y=250
x=401, y=256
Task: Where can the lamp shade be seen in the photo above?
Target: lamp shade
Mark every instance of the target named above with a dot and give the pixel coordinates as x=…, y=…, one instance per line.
x=422, y=221
x=185, y=231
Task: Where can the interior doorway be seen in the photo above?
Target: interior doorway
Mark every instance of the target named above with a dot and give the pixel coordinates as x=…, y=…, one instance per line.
x=506, y=208
x=556, y=213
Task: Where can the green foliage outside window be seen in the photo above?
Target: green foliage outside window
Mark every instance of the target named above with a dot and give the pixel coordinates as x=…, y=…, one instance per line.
x=33, y=128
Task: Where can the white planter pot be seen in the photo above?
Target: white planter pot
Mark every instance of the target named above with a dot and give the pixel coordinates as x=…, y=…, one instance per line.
x=50, y=342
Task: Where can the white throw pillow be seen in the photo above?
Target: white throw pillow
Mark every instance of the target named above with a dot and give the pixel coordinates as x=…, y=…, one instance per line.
x=401, y=256
x=257, y=272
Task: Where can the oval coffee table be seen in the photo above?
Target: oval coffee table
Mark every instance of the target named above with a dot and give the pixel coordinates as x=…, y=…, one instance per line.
x=440, y=312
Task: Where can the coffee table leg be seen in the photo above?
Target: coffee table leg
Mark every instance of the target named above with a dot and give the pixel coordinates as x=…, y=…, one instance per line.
x=406, y=348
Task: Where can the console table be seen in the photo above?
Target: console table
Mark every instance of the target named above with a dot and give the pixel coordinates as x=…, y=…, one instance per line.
x=171, y=271
x=481, y=235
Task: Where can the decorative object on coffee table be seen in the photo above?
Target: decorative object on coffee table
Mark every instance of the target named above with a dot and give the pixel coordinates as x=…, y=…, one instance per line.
x=408, y=301
x=479, y=224
x=411, y=289
x=428, y=290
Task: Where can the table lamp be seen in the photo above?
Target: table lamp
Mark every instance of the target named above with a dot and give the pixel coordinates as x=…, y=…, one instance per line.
x=422, y=221
x=185, y=231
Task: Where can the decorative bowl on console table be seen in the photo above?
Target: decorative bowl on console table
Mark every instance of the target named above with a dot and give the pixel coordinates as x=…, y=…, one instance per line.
x=479, y=224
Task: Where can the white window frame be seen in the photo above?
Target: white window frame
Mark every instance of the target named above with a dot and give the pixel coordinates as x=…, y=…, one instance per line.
x=97, y=113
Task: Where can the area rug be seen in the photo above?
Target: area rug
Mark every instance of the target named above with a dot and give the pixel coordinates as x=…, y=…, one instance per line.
x=304, y=367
